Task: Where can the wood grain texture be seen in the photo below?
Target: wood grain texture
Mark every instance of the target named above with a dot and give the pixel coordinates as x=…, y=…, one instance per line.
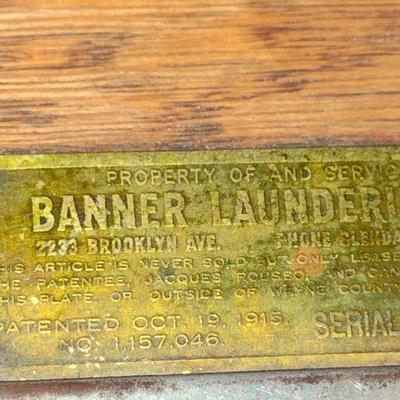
x=134, y=74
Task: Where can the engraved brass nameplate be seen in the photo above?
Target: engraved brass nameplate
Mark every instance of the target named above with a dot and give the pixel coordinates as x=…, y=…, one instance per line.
x=177, y=262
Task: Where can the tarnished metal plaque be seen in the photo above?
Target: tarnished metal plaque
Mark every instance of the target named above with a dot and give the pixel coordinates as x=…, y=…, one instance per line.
x=172, y=262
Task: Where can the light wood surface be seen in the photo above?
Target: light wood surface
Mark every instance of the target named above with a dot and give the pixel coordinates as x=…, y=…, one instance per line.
x=124, y=75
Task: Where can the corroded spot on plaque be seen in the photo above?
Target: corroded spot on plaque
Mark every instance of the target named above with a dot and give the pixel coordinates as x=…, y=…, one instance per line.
x=170, y=262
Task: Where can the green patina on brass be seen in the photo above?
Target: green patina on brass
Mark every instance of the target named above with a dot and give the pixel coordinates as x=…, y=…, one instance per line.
x=177, y=262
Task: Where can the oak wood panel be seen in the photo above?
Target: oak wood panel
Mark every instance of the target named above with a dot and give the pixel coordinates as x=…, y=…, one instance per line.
x=135, y=74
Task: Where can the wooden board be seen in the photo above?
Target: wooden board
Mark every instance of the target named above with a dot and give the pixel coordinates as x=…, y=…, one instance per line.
x=132, y=74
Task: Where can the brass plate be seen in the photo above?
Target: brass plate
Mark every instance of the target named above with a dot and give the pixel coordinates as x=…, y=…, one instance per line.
x=178, y=262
